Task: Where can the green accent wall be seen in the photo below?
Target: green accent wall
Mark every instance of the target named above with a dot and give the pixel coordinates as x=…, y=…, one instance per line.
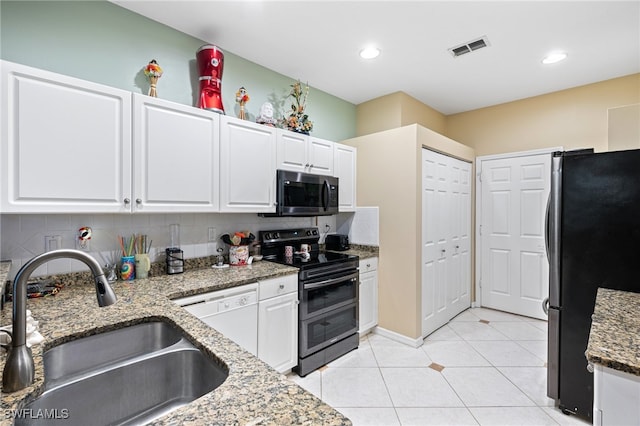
x=105, y=43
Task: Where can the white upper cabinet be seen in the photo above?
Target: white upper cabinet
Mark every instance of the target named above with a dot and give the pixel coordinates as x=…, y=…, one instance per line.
x=345, y=171
x=66, y=144
x=320, y=156
x=292, y=151
x=300, y=153
x=176, y=152
x=247, y=166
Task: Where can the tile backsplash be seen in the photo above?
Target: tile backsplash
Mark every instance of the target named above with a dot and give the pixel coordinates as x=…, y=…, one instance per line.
x=23, y=236
x=362, y=227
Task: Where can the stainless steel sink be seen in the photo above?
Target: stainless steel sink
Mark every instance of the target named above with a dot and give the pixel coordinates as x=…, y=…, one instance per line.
x=153, y=371
x=77, y=357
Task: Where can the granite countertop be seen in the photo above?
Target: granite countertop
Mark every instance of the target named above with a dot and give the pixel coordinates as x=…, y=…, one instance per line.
x=253, y=393
x=364, y=252
x=614, y=340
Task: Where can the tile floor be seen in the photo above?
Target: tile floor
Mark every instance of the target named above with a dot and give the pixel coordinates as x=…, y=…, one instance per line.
x=484, y=367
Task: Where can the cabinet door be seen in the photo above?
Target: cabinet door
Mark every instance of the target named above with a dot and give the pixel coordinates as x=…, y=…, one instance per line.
x=320, y=157
x=66, y=144
x=278, y=331
x=176, y=157
x=368, y=306
x=345, y=170
x=247, y=166
x=292, y=151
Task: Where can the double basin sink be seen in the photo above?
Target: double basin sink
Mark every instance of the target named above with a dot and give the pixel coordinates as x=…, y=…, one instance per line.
x=131, y=375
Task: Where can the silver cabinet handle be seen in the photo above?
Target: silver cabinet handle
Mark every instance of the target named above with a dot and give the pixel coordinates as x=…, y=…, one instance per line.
x=443, y=250
x=138, y=201
x=545, y=306
x=127, y=201
x=281, y=286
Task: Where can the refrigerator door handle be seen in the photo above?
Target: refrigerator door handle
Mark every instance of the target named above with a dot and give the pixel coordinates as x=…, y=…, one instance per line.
x=554, y=231
x=546, y=227
x=545, y=306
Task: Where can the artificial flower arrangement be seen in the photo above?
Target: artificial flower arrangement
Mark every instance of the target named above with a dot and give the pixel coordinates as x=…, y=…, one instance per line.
x=297, y=120
x=153, y=73
x=241, y=238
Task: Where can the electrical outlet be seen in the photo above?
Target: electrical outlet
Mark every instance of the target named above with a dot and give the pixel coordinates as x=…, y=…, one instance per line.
x=52, y=242
x=213, y=234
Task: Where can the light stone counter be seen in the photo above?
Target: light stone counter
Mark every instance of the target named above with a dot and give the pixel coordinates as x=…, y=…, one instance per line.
x=252, y=394
x=614, y=340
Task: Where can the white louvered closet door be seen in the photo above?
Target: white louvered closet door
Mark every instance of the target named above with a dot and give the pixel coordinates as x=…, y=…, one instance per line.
x=446, y=239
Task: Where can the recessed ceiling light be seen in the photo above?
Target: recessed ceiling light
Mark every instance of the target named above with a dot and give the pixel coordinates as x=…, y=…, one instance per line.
x=554, y=57
x=369, y=52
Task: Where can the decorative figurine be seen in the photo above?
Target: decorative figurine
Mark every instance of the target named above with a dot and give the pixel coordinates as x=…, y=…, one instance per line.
x=153, y=73
x=266, y=115
x=210, y=66
x=242, y=97
x=84, y=235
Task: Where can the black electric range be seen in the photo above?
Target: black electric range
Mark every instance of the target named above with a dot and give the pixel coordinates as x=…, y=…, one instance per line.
x=273, y=250
x=328, y=292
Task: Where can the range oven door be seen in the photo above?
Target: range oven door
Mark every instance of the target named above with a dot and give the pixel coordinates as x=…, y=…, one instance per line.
x=323, y=330
x=326, y=293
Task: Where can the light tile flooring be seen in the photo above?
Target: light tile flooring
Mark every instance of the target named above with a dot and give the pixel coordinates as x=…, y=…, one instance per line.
x=484, y=367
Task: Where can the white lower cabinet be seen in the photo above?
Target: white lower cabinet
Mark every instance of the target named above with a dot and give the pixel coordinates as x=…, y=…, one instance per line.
x=615, y=397
x=278, y=322
x=368, y=306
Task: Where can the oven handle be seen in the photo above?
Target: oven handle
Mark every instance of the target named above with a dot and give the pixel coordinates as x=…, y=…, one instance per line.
x=326, y=283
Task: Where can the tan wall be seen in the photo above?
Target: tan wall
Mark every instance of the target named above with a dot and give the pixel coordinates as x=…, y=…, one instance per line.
x=624, y=128
x=396, y=110
x=383, y=164
x=572, y=118
x=389, y=164
x=388, y=176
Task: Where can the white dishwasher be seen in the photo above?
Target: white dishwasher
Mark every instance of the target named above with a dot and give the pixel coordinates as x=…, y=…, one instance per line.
x=233, y=312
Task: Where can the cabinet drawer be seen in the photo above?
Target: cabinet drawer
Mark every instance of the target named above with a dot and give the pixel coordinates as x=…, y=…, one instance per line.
x=278, y=286
x=369, y=264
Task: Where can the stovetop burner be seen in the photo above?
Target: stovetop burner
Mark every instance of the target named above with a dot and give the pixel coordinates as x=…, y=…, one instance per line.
x=315, y=258
x=274, y=243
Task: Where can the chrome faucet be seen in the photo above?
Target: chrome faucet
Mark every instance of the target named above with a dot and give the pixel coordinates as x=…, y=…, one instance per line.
x=19, y=368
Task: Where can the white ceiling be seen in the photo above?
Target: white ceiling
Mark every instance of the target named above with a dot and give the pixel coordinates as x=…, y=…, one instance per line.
x=318, y=42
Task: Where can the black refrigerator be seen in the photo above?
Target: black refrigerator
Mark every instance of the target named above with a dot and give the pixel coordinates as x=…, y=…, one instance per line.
x=593, y=240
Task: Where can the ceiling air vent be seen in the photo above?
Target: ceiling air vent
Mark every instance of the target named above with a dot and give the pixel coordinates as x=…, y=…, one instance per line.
x=469, y=46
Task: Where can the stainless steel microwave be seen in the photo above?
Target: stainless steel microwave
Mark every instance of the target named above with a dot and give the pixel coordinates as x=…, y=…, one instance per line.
x=305, y=194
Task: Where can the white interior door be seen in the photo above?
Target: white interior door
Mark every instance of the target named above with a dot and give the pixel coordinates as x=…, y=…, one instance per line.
x=514, y=271
x=446, y=224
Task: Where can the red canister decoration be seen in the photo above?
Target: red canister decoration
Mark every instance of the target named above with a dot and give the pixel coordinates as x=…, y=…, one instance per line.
x=210, y=65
